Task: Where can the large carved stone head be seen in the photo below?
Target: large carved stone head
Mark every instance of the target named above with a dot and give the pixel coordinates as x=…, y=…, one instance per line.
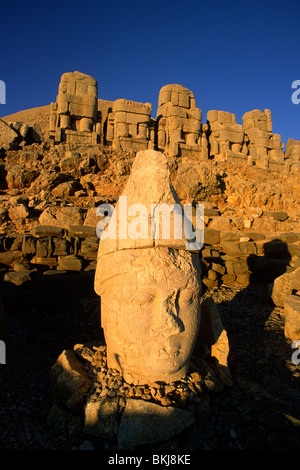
x=150, y=289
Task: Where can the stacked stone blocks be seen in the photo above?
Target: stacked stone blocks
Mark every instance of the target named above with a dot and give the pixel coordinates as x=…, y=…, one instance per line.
x=78, y=116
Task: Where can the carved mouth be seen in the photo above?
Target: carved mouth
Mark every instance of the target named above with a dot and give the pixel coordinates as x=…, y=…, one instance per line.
x=170, y=352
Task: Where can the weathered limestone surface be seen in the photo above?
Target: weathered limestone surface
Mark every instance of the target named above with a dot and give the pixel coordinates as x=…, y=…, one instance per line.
x=130, y=126
x=70, y=381
x=8, y=136
x=292, y=317
x=292, y=154
x=101, y=417
x=263, y=144
x=75, y=110
x=284, y=285
x=178, y=120
x=226, y=136
x=148, y=423
x=154, y=342
x=292, y=150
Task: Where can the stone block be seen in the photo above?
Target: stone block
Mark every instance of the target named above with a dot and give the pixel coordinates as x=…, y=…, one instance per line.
x=228, y=279
x=255, y=236
x=210, y=283
x=17, y=278
x=28, y=245
x=212, y=275
x=47, y=231
x=61, y=247
x=243, y=279
x=16, y=242
x=292, y=317
x=70, y=263
x=126, y=106
x=89, y=248
x=218, y=268
x=211, y=236
x=281, y=216
x=294, y=249
x=285, y=285
x=231, y=248
x=69, y=381
x=215, y=254
x=9, y=257
x=43, y=247
x=83, y=231
x=206, y=253
x=247, y=247
x=288, y=237
x=148, y=423
x=237, y=266
x=101, y=417
x=8, y=137
x=230, y=237
x=44, y=261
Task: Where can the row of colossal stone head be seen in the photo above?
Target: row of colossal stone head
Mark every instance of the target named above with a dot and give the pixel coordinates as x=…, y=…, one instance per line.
x=79, y=116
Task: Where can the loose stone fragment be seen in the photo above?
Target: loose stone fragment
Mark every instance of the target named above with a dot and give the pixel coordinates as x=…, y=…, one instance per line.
x=143, y=422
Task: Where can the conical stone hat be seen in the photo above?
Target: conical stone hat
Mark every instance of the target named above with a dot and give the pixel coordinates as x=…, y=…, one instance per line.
x=148, y=214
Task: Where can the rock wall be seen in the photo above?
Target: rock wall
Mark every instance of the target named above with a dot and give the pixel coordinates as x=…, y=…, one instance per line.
x=228, y=257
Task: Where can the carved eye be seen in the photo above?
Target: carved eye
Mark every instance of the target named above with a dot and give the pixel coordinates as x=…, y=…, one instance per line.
x=142, y=299
x=187, y=297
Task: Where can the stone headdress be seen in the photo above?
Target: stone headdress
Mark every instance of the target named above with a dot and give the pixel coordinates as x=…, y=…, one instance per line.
x=140, y=211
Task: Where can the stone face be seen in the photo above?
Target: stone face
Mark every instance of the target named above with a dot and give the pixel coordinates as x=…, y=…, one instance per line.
x=74, y=115
x=292, y=150
x=226, y=136
x=129, y=125
x=148, y=423
x=149, y=288
x=263, y=144
x=179, y=120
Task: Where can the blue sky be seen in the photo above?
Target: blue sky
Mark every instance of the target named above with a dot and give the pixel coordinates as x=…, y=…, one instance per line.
x=234, y=55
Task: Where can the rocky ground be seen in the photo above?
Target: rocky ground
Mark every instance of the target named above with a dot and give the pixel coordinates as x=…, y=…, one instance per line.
x=45, y=316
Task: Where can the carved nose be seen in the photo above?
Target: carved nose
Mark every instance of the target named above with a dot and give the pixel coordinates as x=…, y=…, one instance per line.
x=169, y=324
